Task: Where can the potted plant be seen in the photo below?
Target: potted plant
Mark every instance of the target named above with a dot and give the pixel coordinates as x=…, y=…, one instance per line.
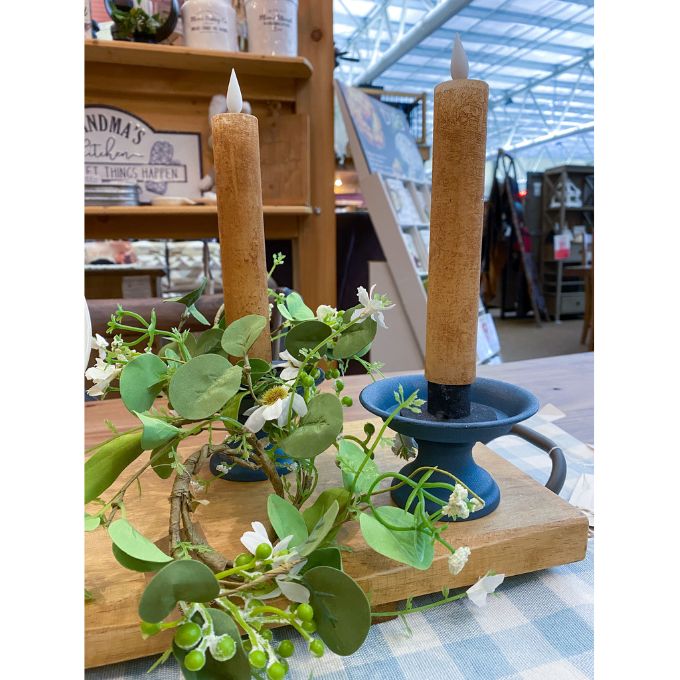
x=132, y=22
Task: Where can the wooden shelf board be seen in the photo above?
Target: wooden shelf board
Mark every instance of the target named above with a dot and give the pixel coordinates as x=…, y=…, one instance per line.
x=532, y=529
x=182, y=221
x=186, y=59
x=141, y=211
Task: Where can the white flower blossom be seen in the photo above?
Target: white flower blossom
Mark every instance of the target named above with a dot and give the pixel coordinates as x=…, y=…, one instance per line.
x=292, y=367
x=460, y=505
x=326, y=313
x=295, y=592
x=275, y=406
x=372, y=306
x=101, y=374
x=486, y=585
x=100, y=344
x=458, y=559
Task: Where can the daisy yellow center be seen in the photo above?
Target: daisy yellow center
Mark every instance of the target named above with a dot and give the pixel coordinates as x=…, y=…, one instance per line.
x=273, y=395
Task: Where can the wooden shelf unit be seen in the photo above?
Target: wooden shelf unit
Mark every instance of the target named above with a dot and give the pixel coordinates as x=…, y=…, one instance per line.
x=170, y=87
x=564, y=290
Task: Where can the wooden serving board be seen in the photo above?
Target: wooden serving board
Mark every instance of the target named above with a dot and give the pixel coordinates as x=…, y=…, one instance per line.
x=531, y=529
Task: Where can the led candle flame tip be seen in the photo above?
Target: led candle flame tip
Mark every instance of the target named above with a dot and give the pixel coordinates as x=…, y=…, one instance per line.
x=459, y=62
x=234, y=98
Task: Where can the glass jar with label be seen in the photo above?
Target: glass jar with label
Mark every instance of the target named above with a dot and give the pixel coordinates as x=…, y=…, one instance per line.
x=272, y=27
x=210, y=25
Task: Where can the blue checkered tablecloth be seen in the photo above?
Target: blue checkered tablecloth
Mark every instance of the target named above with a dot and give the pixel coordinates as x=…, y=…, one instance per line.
x=537, y=626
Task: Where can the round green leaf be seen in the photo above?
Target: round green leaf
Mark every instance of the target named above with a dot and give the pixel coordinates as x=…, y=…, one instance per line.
x=203, y=386
x=240, y=335
x=133, y=564
x=210, y=341
x=298, y=308
x=141, y=381
x=286, y=520
x=355, y=340
x=237, y=668
x=92, y=522
x=317, y=430
x=108, y=461
x=341, y=610
x=258, y=369
x=134, y=544
x=306, y=335
x=187, y=580
x=326, y=557
x=414, y=548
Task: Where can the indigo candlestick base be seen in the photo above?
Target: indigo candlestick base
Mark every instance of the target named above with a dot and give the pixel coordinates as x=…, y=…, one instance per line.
x=495, y=406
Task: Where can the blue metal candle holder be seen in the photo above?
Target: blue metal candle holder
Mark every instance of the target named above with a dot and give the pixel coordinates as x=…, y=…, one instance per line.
x=447, y=444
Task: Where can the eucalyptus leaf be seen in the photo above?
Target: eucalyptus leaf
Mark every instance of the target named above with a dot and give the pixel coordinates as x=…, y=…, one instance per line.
x=327, y=557
x=240, y=335
x=106, y=464
x=318, y=429
x=187, y=580
x=141, y=382
x=356, y=339
x=237, y=668
x=306, y=335
x=203, y=386
x=156, y=431
x=411, y=547
x=162, y=459
x=314, y=512
x=320, y=531
x=283, y=310
x=297, y=307
x=134, y=544
x=286, y=520
x=134, y=564
x=351, y=456
x=258, y=369
x=341, y=610
x=210, y=341
x=92, y=522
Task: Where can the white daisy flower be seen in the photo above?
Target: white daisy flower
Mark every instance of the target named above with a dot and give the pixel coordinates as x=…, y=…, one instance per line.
x=275, y=406
x=458, y=559
x=292, y=367
x=485, y=586
x=372, y=307
x=101, y=374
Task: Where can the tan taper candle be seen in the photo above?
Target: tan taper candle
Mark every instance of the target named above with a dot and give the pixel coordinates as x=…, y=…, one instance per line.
x=458, y=158
x=236, y=150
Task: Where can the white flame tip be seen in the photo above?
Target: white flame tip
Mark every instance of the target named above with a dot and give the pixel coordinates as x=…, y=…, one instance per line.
x=234, y=98
x=459, y=61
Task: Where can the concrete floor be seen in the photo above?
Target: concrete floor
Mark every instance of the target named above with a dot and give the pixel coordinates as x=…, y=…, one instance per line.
x=523, y=339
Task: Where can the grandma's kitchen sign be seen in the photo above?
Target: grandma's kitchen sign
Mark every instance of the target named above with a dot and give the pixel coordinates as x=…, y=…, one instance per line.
x=120, y=147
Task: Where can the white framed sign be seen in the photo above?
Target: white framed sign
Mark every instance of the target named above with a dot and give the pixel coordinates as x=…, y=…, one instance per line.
x=121, y=147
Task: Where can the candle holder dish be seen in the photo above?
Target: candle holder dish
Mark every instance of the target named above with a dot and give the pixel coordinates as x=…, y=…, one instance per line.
x=447, y=444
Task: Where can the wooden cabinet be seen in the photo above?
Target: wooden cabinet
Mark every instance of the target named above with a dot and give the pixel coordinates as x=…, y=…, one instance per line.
x=170, y=87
